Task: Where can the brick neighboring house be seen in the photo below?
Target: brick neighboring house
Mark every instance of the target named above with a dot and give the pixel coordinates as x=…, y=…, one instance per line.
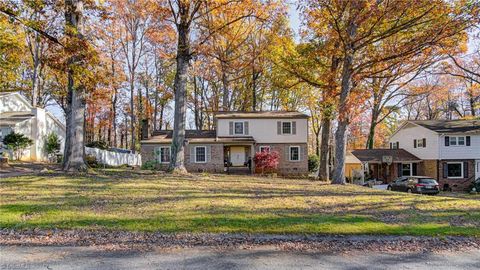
x=238, y=136
x=449, y=150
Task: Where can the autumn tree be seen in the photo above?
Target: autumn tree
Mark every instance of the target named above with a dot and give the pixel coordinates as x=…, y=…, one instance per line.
x=359, y=25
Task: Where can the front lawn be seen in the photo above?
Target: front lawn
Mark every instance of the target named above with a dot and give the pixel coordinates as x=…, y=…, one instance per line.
x=124, y=200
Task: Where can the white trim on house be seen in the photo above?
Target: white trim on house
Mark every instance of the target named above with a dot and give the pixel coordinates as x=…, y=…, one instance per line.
x=282, y=127
x=205, y=148
x=461, y=170
x=290, y=153
x=160, y=154
x=235, y=127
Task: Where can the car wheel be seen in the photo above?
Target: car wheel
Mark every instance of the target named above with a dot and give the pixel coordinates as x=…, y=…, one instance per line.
x=409, y=190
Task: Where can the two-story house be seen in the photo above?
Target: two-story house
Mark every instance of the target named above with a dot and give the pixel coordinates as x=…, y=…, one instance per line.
x=236, y=139
x=449, y=150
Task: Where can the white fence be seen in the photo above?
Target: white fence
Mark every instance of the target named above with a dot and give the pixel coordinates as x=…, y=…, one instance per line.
x=114, y=158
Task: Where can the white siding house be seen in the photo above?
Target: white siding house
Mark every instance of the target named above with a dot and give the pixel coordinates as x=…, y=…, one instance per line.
x=450, y=150
x=16, y=114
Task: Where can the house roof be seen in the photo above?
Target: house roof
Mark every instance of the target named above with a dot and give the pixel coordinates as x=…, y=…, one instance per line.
x=450, y=126
x=351, y=159
x=196, y=136
x=8, y=119
x=375, y=155
x=263, y=114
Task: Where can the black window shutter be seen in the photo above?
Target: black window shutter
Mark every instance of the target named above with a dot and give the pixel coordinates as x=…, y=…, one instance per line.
x=424, y=142
x=391, y=146
x=465, y=169
x=414, y=143
x=398, y=145
x=445, y=170
x=399, y=169
x=414, y=168
x=468, y=140
x=447, y=141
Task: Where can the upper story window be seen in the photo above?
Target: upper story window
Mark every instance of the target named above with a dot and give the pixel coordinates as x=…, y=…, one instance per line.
x=287, y=127
x=457, y=141
x=394, y=145
x=239, y=128
x=422, y=142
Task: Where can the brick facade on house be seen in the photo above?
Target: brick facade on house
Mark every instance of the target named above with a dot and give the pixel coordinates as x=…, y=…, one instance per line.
x=215, y=163
x=457, y=184
x=285, y=166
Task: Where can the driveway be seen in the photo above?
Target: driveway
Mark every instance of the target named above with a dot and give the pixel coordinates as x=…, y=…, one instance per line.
x=48, y=257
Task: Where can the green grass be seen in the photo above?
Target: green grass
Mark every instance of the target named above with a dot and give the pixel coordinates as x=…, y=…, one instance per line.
x=124, y=200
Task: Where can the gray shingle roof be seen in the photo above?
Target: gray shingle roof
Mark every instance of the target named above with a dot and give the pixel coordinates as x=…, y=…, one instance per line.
x=450, y=126
x=196, y=136
x=375, y=155
x=263, y=114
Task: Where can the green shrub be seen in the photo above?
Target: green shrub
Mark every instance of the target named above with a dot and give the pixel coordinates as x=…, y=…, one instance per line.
x=313, y=162
x=52, y=146
x=149, y=165
x=17, y=142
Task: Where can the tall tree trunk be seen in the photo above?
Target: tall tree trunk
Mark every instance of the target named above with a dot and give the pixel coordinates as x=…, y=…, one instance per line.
x=323, y=170
x=177, y=161
x=36, y=68
x=132, y=112
x=373, y=126
x=74, y=157
x=226, y=93
x=346, y=87
x=196, y=109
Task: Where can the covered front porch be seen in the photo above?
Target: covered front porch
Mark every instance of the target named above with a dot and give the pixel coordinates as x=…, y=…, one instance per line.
x=238, y=159
x=238, y=153
x=386, y=165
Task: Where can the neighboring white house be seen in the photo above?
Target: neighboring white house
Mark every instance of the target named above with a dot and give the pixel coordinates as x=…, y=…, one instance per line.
x=16, y=114
x=238, y=136
x=450, y=150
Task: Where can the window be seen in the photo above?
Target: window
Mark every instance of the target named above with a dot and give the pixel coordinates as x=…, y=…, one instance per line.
x=200, y=154
x=457, y=141
x=164, y=154
x=455, y=170
x=265, y=148
x=238, y=127
x=286, y=127
x=294, y=153
x=407, y=169
x=394, y=145
x=420, y=143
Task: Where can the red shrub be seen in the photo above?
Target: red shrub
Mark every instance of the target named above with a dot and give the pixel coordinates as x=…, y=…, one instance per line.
x=266, y=161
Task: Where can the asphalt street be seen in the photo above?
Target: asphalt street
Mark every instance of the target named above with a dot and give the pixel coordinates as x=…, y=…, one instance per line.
x=61, y=257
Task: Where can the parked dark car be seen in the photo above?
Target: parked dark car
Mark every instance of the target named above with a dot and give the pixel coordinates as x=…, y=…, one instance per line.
x=415, y=184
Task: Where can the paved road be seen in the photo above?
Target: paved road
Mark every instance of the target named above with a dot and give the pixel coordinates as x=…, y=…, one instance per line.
x=16, y=257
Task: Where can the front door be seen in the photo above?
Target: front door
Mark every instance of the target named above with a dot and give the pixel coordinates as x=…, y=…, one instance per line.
x=477, y=169
x=237, y=155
